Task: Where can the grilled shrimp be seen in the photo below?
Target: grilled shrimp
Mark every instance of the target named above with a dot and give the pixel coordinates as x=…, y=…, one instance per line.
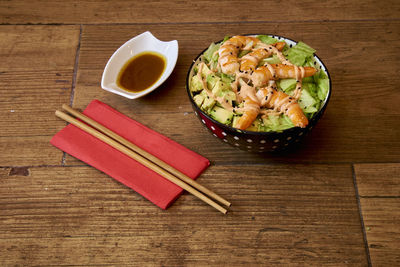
x=251, y=111
x=246, y=67
x=280, y=71
x=228, y=52
x=250, y=61
x=279, y=101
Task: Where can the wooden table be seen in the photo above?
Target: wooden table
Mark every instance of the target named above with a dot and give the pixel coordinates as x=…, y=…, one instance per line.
x=334, y=201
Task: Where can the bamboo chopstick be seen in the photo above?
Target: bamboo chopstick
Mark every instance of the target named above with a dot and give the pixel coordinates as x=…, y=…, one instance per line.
x=139, y=158
x=145, y=154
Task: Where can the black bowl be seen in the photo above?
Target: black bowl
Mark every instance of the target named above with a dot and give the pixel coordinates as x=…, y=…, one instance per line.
x=258, y=141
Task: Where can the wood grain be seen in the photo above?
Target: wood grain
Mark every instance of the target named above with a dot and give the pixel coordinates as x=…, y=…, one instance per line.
x=36, y=73
x=378, y=180
x=102, y=11
x=367, y=131
x=294, y=209
x=381, y=219
x=379, y=189
x=290, y=215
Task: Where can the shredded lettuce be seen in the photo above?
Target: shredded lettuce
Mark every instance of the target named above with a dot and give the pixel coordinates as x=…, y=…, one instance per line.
x=226, y=38
x=309, y=62
x=275, y=123
x=299, y=53
x=210, y=55
x=287, y=84
x=267, y=39
x=227, y=78
x=309, y=101
x=271, y=60
x=300, y=46
x=311, y=88
x=322, y=81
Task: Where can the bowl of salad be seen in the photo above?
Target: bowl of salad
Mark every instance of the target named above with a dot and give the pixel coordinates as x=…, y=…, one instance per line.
x=259, y=93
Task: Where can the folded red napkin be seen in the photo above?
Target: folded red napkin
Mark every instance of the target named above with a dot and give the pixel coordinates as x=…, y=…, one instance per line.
x=105, y=158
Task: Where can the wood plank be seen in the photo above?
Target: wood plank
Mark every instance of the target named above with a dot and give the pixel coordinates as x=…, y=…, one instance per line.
x=381, y=219
x=38, y=47
x=291, y=215
x=36, y=73
x=379, y=189
x=360, y=124
x=30, y=99
x=378, y=180
x=102, y=11
x=29, y=151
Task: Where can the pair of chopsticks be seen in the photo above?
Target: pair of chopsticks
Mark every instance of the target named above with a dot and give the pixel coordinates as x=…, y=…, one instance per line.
x=143, y=157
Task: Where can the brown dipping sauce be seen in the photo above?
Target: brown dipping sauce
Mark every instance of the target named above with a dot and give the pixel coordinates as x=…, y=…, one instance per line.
x=141, y=71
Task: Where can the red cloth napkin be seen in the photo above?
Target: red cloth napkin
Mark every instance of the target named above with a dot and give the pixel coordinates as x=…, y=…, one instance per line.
x=105, y=158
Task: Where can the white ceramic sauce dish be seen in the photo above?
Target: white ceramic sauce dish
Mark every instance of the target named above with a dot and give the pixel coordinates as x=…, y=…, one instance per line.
x=140, y=43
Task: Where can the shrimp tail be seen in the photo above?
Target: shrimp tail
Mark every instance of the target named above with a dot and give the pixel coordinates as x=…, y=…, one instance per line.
x=279, y=45
x=251, y=111
x=296, y=115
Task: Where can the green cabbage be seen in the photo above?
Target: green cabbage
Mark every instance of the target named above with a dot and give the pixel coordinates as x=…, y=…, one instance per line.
x=267, y=39
x=299, y=53
x=275, y=123
x=209, y=53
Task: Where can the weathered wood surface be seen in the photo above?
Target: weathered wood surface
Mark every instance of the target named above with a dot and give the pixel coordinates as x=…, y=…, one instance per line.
x=292, y=214
x=36, y=70
x=103, y=11
x=379, y=190
x=307, y=207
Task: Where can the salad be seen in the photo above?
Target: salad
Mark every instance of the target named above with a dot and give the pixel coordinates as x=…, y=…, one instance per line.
x=259, y=83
